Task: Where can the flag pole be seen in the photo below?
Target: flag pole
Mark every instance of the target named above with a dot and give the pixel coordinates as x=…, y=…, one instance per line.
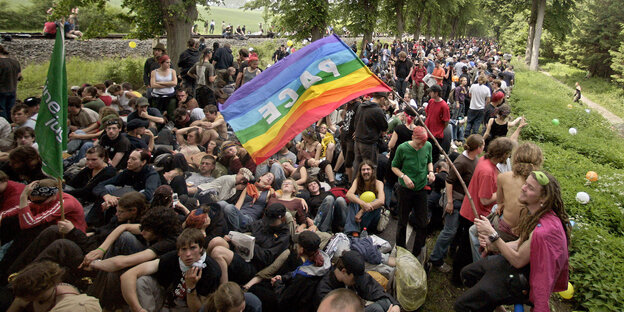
x=60, y=188
x=461, y=181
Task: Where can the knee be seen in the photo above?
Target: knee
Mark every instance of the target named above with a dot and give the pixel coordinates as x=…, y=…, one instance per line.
x=219, y=252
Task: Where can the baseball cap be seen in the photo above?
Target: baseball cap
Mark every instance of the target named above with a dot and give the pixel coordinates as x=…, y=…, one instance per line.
x=497, y=96
x=309, y=240
x=32, y=101
x=275, y=211
x=142, y=102
x=353, y=262
x=137, y=123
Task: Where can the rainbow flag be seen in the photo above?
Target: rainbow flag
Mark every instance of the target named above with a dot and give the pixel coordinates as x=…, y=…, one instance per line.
x=270, y=110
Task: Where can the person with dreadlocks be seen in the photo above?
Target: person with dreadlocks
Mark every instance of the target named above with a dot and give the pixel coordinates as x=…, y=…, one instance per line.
x=534, y=265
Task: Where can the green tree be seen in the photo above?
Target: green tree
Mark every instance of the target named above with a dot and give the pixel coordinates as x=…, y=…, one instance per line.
x=301, y=18
x=618, y=60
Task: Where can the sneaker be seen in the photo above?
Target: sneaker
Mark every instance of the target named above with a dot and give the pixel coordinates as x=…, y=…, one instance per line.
x=444, y=268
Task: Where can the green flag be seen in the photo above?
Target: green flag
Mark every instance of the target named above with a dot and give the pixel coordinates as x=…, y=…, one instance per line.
x=51, y=129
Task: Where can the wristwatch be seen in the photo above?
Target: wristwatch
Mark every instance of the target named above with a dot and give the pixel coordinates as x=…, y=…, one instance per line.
x=493, y=237
x=190, y=290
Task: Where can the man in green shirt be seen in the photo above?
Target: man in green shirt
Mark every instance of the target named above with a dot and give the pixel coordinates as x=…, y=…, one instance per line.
x=412, y=164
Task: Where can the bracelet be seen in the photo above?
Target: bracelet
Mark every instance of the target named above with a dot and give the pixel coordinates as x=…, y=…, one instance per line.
x=402, y=176
x=102, y=249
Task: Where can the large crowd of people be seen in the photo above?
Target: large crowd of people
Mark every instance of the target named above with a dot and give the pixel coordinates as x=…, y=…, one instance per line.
x=163, y=209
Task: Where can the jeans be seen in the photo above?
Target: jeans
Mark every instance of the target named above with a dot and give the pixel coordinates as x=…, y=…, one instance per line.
x=401, y=85
x=75, y=144
x=276, y=169
x=236, y=220
x=82, y=152
x=369, y=219
x=446, y=236
x=475, y=119
x=457, y=130
x=7, y=100
x=325, y=214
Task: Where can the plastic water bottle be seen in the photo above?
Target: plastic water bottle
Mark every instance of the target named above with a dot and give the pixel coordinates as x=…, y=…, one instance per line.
x=364, y=233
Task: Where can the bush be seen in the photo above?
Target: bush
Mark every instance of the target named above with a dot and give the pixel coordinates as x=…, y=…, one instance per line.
x=126, y=70
x=597, y=245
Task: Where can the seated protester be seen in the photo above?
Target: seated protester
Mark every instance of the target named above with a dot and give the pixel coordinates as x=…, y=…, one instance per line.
x=40, y=287
x=6, y=139
x=181, y=118
x=175, y=180
x=185, y=100
x=103, y=95
x=284, y=154
x=81, y=120
x=234, y=157
x=251, y=203
x=230, y=297
x=178, y=280
x=204, y=175
x=328, y=143
x=361, y=214
x=20, y=117
x=272, y=238
x=349, y=272
x=116, y=145
x=10, y=192
x=25, y=136
x=163, y=197
x=225, y=189
x=124, y=99
x=320, y=169
x=139, y=176
x=122, y=249
x=297, y=288
x=342, y=299
x=39, y=207
x=537, y=262
x=275, y=167
x=326, y=210
x=210, y=220
x=139, y=136
x=298, y=173
x=145, y=112
x=213, y=123
x=24, y=165
x=97, y=170
x=90, y=99
x=296, y=206
x=65, y=244
x=189, y=140
x=94, y=130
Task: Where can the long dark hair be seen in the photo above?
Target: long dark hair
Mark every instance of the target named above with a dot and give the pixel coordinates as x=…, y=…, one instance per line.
x=361, y=186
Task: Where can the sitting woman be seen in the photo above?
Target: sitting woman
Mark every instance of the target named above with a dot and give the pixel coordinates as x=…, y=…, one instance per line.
x=230, y=297
x=234, y=157
x=251, y=203
x=297, y=207
x=297, y=173
x=210, y=220
x=309, y=155
x=97, y=170
x=536, y=264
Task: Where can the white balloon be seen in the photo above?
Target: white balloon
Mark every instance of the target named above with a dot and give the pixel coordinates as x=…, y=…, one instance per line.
x=582, y=197
x=572, y=131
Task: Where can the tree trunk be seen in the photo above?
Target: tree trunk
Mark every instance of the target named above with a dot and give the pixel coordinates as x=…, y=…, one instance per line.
x=538, y=35
x=400, y=4
x=532, y=20
x=428, y=30
x=437, y=31
x=178, y=26
x=417, y=26
x=316, y=33
x=453, y=34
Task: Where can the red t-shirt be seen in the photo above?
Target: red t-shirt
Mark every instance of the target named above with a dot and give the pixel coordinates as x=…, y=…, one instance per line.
x=437, y=114
x=482, y=185
x=49, y=28
x=11, y=195
x=107, y=99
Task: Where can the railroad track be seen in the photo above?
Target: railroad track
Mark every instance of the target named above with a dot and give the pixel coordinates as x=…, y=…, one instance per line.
x=38, y=35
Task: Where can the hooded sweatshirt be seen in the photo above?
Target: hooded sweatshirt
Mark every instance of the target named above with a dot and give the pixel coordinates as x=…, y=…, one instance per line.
x=370, y=122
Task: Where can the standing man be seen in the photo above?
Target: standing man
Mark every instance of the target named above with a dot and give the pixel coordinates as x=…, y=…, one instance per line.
x=152, y=64
x=212, y=25
x=370, y=123
x=418, y=85
x=223, y=58
x=479, y=96
x=412, y=164
x=10, y=74
x=402, y=69
x=188, y=58
x=438, y=116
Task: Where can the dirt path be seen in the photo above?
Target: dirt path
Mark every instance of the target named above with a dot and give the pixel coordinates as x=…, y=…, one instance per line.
x=617, y=122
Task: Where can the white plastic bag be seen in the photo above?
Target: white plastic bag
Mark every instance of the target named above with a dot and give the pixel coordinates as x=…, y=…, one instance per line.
x=410, y=281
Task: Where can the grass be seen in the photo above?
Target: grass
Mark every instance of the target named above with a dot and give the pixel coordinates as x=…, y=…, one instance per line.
x=599, y=90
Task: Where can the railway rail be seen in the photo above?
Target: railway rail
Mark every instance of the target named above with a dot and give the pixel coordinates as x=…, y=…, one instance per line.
x=38, y=35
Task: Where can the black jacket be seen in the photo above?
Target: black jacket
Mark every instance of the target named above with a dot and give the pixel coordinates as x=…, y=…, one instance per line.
x=150, y=65
x=365, y=286
x=188, y=58
x=370, y=122
x=270, y=243
x=145, y=181
x=224, y=58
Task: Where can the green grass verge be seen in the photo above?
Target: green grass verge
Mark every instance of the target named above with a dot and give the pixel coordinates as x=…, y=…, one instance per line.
x=231, y=16
x=599, y=90
x=597, y=246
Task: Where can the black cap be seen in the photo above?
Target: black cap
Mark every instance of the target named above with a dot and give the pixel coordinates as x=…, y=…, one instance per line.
x=32, y=101
x=353, y=262
x=309, y=240
x=137, y=123
x=275, y=211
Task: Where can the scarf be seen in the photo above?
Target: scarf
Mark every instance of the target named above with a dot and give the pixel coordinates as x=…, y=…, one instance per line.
x=252, y=190
x=199, y=263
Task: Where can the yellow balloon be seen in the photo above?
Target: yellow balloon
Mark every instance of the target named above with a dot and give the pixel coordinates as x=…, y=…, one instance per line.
x=132, y=44
x=289, y=43
x=592, y=176
x=568, y=293
x=368, y=196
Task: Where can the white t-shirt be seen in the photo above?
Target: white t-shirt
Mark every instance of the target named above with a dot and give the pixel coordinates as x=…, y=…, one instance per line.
x=478, y=95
